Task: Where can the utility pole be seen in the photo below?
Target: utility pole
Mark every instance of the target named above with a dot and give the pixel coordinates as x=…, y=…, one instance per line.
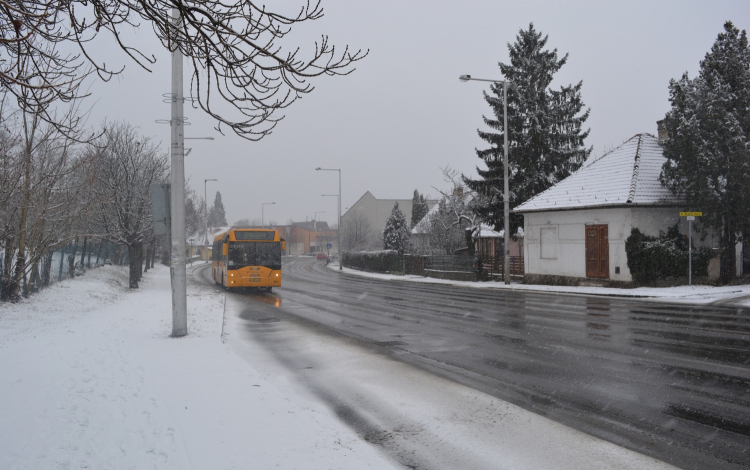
x=177, y=256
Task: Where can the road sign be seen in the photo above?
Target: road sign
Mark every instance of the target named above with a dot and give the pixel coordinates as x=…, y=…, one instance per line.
x=691, y=217
x=329, y=246
x=160, y=208
x=691, y=214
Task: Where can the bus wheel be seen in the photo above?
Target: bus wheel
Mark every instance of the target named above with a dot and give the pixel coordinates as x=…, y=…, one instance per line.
x=269, y=289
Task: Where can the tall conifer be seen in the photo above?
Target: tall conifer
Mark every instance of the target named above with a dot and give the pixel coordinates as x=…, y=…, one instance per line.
x=545, y=137
x=708, y=148
x=419, y=208
x=396, y=233
x=217, y=215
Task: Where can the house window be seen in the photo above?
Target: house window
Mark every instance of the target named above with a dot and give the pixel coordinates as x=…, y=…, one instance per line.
x=549, y=242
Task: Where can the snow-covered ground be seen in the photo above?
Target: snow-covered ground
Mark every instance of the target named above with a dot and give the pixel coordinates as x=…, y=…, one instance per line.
x=89, y=378
x=737, y=295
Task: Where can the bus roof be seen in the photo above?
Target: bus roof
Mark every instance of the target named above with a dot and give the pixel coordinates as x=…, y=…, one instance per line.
x=252, y=234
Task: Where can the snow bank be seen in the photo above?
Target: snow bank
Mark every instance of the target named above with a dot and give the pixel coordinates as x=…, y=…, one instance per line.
x=739, y=295
x=91, y=379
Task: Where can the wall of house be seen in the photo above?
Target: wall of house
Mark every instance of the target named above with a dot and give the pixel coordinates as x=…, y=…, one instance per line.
x=565, y=255
x=562, y=251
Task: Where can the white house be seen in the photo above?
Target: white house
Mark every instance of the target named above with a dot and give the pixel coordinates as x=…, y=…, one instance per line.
x=578, y=227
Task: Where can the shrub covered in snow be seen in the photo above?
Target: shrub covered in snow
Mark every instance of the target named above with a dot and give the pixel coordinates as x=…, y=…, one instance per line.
x=384, y=261
x=652, y=258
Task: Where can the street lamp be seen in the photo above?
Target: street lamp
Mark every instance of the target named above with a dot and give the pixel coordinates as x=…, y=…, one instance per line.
x=506, y=202
x=341, y=267
x=315, y=225
x=262, y=207
x=205, y=200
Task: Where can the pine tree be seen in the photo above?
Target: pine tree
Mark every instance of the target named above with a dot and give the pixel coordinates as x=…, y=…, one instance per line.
x=545, y=138
x=396, y=232
x=217, y=216
x=708, y=151
x=419, y=208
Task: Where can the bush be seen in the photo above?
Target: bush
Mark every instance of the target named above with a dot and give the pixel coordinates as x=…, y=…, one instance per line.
x=384, y=261
x=652, y=258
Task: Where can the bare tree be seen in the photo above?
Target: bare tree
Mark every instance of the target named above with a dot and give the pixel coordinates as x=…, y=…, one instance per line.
x=47, y=195
x=454, y=224
x=358, y=234
x=232, y=47
x=129, y=164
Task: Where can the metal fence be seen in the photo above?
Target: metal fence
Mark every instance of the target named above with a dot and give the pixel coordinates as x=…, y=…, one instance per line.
x=56, y=264
x=494, y=266
x=455, y=263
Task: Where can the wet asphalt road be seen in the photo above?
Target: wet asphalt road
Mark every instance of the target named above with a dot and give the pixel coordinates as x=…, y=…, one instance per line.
x=669, y=381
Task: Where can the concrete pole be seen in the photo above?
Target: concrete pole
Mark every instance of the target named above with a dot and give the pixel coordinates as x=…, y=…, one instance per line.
x=177, y=196
x=506, y=202
x=341, y=253
x=205, y=201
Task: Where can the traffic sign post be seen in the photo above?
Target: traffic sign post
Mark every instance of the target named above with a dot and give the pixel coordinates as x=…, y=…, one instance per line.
x=690, y=218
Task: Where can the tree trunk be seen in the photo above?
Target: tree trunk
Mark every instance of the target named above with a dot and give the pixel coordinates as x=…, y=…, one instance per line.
x=728, y=260
x=133, y=268
x=148, y=259
x=8, y=280
x=98, y=253
x=139, y=260
x=62, y=260
x=72, y=259
x=47, y=268
x=153, y=254
x=83, y=253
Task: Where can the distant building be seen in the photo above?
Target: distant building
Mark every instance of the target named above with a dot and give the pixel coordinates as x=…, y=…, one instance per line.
x=303, y=238
x=377, y=211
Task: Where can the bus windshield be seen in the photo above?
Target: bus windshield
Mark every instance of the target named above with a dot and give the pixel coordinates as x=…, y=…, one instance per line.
x=243, y=254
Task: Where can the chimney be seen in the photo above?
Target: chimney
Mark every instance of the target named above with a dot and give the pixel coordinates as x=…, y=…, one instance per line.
x=662, y=134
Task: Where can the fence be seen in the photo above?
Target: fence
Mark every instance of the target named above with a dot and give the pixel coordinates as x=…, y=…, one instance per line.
x=56, y=265
x=494, y=266
x=441, y=266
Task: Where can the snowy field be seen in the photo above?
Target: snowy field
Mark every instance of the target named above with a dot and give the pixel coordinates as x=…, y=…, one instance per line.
x=89, y=378
x=736, y=295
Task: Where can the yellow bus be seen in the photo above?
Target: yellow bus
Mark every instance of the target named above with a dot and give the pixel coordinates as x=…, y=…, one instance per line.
x=248, y=258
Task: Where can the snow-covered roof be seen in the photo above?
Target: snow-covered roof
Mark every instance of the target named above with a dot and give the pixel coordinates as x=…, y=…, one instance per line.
x=628, y=175
x=423, y=226
x=489, y=232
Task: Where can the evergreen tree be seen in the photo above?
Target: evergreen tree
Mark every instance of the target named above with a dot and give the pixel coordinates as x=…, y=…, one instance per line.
x=419, y=208
x=396, y=232
x=545, y=136
x=708, y=151
x=217, y=216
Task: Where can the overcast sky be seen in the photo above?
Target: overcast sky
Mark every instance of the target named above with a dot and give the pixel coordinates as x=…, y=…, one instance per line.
x=403, y=113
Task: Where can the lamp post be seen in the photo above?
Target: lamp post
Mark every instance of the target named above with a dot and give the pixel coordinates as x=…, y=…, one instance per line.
x=262, y=207
x=205, y=200
x=341, y=267
x=506, y=202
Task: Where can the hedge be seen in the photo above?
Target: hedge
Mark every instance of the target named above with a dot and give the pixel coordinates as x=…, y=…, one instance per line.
x=652, y=258
x=385, y=261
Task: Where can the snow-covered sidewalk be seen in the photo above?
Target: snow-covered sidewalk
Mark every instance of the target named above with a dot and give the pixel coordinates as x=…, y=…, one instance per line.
x=680, y=294
x=91, y=379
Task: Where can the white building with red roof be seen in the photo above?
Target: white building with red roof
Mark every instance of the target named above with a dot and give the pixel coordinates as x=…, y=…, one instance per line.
x=578, y=227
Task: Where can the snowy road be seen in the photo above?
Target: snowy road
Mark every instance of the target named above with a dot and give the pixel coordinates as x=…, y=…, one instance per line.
x=668, y=381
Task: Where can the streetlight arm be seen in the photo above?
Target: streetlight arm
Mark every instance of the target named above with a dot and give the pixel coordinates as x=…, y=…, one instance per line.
x=466, y=78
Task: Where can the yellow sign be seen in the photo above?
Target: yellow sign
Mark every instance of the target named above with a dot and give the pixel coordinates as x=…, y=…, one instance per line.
x=691, y=214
